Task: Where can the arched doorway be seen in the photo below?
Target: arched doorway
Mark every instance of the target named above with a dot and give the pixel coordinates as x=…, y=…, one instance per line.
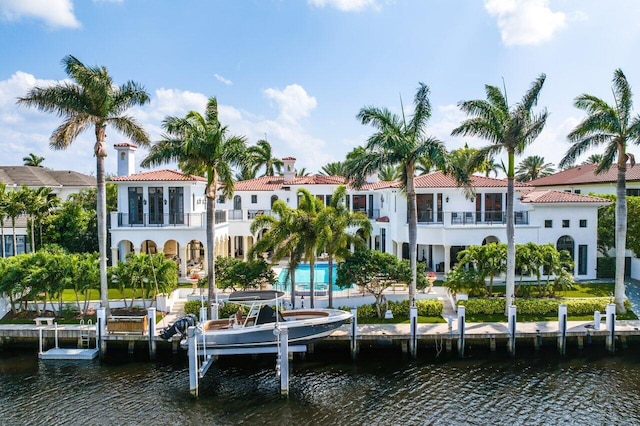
x=566, y=243
x=490, y=239
x=149, y=247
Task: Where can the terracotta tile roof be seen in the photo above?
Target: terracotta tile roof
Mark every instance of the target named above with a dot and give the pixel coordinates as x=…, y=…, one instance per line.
x=40, y=177
x=552, y=196
x=273, y=183
x=124, y=144
x=440, y=180
x=585, y=174
x=288, y=158
x=158, y=175
x=380, y=185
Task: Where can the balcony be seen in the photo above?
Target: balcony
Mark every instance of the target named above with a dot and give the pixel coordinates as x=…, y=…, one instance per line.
x=488, y=217
x=428, y=217
x=190, y=220
x=370, y=213
x=246, y=214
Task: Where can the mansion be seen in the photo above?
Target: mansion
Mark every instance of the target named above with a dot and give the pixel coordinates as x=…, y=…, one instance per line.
x=164, y=211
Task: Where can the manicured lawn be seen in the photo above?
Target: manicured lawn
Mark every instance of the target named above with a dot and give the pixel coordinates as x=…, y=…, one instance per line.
x=68, y=295
x=399, y=320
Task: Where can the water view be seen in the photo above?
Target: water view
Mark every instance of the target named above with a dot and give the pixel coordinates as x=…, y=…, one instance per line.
x=382, y=387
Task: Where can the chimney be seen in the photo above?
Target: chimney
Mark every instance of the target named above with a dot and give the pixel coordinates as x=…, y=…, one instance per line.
x=289, y=168
x=126, y=158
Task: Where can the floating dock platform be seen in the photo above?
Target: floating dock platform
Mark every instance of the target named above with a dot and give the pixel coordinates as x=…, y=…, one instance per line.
x=69, y=353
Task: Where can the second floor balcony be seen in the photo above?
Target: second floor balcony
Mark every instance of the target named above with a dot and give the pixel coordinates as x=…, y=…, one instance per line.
x=488, y=217
x=189, y=220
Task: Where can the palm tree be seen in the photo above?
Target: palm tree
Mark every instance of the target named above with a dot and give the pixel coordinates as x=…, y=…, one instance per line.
x=246, y=173
x=15, y=207
x=533, y=167
x=391, y=173
x=509, y=130
x=32, y=160
x=398, y=141
x=611, y=126
x=334, y=223
x=3, y=212
x=593, y=159
x=309, y=207
x=202, y=143
x=281, y=234
x=333, y=169
x=302, y=172
x=261, y=155
x=91, y=99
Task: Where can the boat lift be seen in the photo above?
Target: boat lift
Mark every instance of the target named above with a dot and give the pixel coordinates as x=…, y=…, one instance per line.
x=201, y=357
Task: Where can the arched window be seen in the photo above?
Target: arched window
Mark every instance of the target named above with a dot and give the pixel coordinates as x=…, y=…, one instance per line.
x=490, y=239
x=566, y=243
x=237, y=202
x=274, y=198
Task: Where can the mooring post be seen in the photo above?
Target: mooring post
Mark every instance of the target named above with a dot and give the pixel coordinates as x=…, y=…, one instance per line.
x=101, y=330
x=562, y=329
x=611, y=327
x=413, y=320
x=192, y=353
x=284, y=361
x=203, y=313
x=214, y=310
x=596, y=320
x=354, y=333
x=40, y=340
x=151, y=313
x=511, y=345
x=55, y=333
x=461, y=326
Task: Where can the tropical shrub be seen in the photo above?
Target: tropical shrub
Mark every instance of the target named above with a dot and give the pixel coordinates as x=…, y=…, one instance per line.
x=193, y=307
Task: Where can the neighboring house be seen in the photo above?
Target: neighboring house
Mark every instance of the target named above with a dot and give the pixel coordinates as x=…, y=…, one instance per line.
x=63, y=184
x=448, y=221
x=583, y=180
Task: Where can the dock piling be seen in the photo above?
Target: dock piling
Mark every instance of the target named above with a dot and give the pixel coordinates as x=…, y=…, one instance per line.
x=151, y=313
x=562, y=324
x=597, y=317
x=192, y=353
x=611, y=327
x=101, y=329
x=354, y=333
x=283, y=358
x=461, y=326
x=511, y=344
x=413, y=342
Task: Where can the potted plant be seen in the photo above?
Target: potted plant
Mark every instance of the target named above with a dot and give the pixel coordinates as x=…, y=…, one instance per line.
x=431, y=278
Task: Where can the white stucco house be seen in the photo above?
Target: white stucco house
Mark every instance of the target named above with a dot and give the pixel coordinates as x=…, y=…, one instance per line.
x=163, y=210
x=63, y=184
x=583, y=180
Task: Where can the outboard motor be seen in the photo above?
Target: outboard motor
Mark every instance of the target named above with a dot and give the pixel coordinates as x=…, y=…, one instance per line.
x=180, y=326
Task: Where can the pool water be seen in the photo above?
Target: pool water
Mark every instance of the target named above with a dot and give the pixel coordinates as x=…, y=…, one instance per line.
x=303, y=275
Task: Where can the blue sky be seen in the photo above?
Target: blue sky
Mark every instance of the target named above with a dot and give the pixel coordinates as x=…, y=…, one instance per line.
x=300, y=70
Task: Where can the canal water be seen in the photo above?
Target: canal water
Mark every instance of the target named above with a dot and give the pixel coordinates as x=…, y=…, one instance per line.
x=382, y=388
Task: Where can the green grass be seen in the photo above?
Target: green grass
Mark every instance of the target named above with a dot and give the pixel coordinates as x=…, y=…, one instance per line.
x=399, y=320
x=630, y=315
x=578, y=290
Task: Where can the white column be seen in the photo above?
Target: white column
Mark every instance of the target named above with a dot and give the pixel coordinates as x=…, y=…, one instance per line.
x=114, y=256
x=183, y=260
x=447, y=258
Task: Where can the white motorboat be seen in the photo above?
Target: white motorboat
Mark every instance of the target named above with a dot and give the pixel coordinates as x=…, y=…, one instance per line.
x=254, y=324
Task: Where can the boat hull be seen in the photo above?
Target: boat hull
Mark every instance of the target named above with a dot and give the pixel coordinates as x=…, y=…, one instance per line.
x=302, y=330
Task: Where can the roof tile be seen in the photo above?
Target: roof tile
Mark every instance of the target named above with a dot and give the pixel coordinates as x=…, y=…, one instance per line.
x=158, y=175
x=585, y=174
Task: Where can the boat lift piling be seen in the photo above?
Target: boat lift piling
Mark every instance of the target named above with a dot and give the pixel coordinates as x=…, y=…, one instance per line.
x=101, y=323
x=413, y=341
x=562, y=322
x=461, y=326
x=611, y=327
x=151, y=312
x=354, y=333
x=511, y=343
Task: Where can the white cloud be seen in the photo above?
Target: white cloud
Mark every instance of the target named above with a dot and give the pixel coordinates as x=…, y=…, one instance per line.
x=346, y=5
x=525, y=22
x=293, y=102
x=55, y=13
x=223, y=80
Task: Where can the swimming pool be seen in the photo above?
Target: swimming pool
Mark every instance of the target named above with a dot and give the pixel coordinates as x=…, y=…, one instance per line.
x=303, y=275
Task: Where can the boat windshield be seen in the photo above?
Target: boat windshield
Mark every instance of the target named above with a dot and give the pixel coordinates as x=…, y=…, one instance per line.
x=256, y=295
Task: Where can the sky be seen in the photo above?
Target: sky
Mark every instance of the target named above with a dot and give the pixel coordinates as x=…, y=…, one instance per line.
x=298, y=71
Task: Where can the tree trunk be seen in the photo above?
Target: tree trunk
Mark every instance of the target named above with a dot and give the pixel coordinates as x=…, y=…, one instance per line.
x=292, y=276
x=413, y=231
x=330, y=289
x=33, y=238
x=312, y=272
x=212, y=295
x=621, y=232
x=511, y=242
x=101, y=206
x=15, y=240
x=2, y=242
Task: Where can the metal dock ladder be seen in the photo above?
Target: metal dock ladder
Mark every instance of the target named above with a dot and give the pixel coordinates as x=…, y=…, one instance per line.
x=84, y=334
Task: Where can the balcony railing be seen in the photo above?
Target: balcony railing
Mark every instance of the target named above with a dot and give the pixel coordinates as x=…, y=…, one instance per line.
x=194, y=220
x=246, y=214
x=429, y=217
x=488, y=217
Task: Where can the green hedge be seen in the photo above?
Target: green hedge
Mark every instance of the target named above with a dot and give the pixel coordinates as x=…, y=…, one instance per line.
x=426, y=308
x=193, y=307
x=225, y=311
x=606, y=267
x=537, y=306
